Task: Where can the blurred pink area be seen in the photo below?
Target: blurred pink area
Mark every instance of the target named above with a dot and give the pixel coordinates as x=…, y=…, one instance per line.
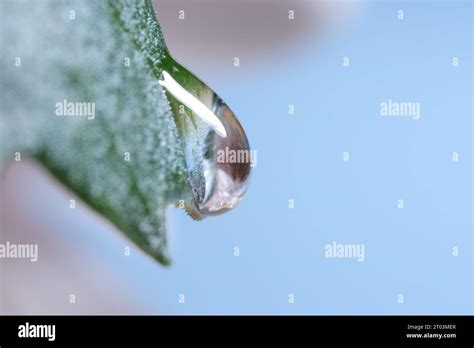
x=35, y=210
x=212, y=33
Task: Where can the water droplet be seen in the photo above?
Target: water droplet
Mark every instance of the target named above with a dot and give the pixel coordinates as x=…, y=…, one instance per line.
x=216, y=147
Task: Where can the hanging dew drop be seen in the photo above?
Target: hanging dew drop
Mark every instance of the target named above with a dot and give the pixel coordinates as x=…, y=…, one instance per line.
x=216, y=147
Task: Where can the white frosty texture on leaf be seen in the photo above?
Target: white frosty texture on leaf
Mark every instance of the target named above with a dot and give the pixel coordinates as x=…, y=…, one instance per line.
x=83, y=60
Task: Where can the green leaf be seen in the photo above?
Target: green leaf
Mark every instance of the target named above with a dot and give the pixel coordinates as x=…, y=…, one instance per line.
x=109, y=55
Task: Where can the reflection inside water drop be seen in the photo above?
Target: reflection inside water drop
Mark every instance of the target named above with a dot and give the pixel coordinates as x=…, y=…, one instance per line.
x=216, y=147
